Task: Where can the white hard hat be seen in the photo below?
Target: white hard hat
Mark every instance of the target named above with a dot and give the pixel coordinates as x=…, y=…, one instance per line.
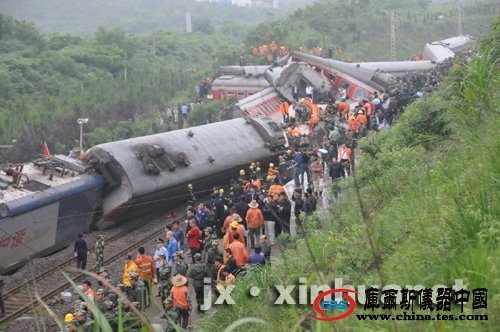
x=271, y=165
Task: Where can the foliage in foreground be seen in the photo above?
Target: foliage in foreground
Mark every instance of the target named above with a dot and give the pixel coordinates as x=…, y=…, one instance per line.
x=429, y=189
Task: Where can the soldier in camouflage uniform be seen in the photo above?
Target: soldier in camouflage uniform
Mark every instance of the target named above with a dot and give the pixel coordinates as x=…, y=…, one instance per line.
x=171, y=315
x=136, y=292
x=110, y=314
x=209, y=237
x=165, y=272
x=210, y=257
x=180, y=266
x=100, y=298
x=99, y=253
x=198, y=271
x=85, y=324
x=2, y=304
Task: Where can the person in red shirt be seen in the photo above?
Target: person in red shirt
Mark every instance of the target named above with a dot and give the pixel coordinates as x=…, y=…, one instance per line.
x=194, y=236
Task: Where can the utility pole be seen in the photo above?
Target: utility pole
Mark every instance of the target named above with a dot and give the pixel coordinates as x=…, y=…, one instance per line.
x=460, y=13
x=393, y=36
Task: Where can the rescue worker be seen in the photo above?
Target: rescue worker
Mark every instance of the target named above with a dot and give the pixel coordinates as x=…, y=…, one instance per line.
x=127, y=270
x=99, y=253
x=210, y=257
x=171, y=314
x=181, y=298
x=284, y=110
x=239, y=252
x=272, y=172
x=165, y=273
x=180, y=266
x=100, y=298
x=343, y=109
x=209, y=237
x=146, y=270
x=344, y=157
x=255, y=221
x=136, y=291
x=89, y=293
x=198, y=271
x=84, y=323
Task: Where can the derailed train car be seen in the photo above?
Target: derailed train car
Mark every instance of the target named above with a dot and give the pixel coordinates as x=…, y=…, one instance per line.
x=45, y=204
x=152, y=172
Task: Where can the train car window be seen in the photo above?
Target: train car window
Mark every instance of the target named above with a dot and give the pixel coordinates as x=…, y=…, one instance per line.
x=251, y=93
x=241, y=95
x=360, y=94
x=230, y=94
x=346, y=85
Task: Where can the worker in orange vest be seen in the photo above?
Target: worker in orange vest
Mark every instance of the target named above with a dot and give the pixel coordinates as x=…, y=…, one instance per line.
x=181, y=298
x=344, y=157
x=284, y=110
x=343, y=109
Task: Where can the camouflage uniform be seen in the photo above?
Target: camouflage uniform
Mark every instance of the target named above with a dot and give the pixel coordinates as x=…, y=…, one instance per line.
x=99, y=253
x=181, y=267
x=137, y=292
x=198, y=271
x=164, y=282
x=110, y=314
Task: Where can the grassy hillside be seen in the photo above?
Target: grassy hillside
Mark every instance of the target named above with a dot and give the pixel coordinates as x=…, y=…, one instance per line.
x=422, y=210
x=362, y=28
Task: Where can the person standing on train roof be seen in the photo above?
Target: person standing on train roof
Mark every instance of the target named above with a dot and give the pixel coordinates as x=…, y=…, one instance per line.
x=81, y=251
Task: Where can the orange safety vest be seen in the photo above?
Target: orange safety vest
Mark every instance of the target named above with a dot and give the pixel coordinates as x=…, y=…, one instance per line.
x=89, y=293
x=347, y=153
x=284, y=108
x=179, y=295
x=368, y=109
x=362, y=118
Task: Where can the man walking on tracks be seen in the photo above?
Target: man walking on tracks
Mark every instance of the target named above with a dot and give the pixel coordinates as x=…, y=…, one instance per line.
x=99, y=253
x=81, y=251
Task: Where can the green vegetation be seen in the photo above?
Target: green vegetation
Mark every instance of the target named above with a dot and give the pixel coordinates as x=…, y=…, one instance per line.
x=122, y=83
x=426, y=196
x=83, y=17
x=362, y=29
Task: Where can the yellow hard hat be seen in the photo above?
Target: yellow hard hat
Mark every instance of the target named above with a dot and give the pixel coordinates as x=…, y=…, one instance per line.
x=290, y=152
x=221, y=191
x=242, y=172
x=68, y=318
x=257, y=169
x=252, y=164
x=251, y=167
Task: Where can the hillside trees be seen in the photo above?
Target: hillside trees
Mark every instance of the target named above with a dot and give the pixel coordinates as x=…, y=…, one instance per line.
x=121, y=82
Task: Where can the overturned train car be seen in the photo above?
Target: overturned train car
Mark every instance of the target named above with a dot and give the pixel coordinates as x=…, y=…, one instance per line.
x=153, y=172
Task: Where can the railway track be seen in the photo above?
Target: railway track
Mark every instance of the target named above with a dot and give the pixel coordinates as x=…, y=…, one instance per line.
x=50, y=283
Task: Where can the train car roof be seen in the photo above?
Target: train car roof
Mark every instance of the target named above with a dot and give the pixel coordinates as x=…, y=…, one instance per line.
x=240, y=81
x=152, y=163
